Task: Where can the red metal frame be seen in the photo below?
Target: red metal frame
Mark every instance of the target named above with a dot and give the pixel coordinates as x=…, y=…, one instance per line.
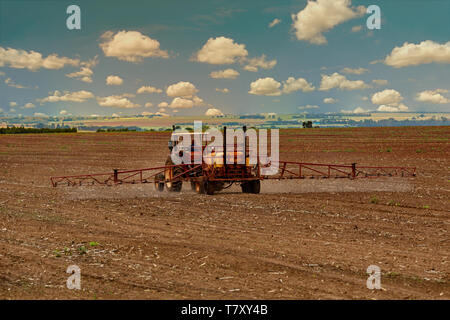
x=287, y=170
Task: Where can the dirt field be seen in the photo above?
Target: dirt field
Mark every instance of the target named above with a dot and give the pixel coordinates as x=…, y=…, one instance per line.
x=308, y=239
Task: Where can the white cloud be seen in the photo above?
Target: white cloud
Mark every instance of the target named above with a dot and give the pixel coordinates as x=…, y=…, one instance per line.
x=224, y=90
x=148, y=89
x=213, y=112
x=9, y=82
x=265, y=86
x=259, y=62
x=181, y=103
x=224, y=74
x=40, y=115
x=131, y=46
x=274, y=22
x=356, y=110
x=307, y=107
x=388, y=97
x=320, y=16
x=79, y=96
x=117, y=101
x=410, y=54
x=365, y=98
x=115, y=115
x=163, y=104
x=162, y=110
x=330, y=100
x=386, y=108
x=13, y=104
x=63, y=112
x=339, y=81
x=221, y=50
x=114, y=80
x=433, y=96
x=148, y=105
x=29, y=105
x=12, y=110
x=292, y=85
x=182, y=89
x=85, y=74
x=32, y=60
x=354, y=71
x=380, y=82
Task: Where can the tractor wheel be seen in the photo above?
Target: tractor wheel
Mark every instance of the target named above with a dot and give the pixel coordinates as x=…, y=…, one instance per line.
x=169, y=173
x=245, y=187
x=209, y=188
x=255, y=186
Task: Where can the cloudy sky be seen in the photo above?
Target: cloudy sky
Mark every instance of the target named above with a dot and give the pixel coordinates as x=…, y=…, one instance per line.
x=192, y=57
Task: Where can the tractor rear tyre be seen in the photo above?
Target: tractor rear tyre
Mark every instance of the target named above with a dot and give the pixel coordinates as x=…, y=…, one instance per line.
x=210, y=188
x=169, y=173
x=255, y=186
x=245, y=187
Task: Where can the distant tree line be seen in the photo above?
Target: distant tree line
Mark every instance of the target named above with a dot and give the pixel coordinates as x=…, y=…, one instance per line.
x=20, y=130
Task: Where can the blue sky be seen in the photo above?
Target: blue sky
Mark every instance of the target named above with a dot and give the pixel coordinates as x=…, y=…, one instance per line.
x=324, y=46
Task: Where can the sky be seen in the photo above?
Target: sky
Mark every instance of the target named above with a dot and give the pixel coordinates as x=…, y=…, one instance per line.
x=216, y=57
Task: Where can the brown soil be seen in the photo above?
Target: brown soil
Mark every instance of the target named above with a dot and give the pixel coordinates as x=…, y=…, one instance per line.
x=311, y=239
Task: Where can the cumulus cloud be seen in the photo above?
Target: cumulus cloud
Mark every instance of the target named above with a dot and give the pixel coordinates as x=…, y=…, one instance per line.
x=410, y=54
x=163, y=104
x=389, y=97
x=221, y=50
x=274, y=22
x=79, y=96
x=63, y=112
x=117, y=101
x=185, y=103
x=181, y=103
x=224, y=90
x=155, y=114
x=259, y=62
x=292, y=85
x=85, y=74
x=380, y=82
x=29, y=105
x=148, y=105
x=339, y=81
x=131, y=46
x=182, y=89
x=356, y=110
x=213, y=112
x=224, y=74
x=308, y=107
x=40, y=115
x=354, y=71
x=9, y=82
x=148, y=89
x=385, y=108
x=433, y=96
x=322, y=15
x=13, y=104
x=32, y=60
x=114, y=80
x=330, y=100
x=265, y=86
